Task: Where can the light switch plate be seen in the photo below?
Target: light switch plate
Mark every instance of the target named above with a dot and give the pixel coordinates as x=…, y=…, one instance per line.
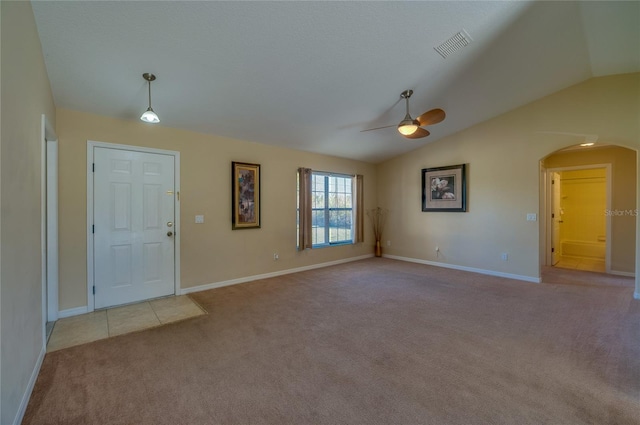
x=532, y=217
x=199, y=219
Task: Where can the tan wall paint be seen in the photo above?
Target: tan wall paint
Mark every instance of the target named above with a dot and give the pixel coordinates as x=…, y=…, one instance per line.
x=503, y=157
x=210, y=252
x=623, y=195
x=26, y=95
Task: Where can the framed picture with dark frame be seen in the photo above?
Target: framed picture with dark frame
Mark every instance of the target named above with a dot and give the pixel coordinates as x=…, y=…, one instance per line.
x=245, y=200
x=444, y=189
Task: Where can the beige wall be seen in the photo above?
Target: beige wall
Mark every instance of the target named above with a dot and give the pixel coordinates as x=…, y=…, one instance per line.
x=210, y=252
x=26, y=95
x=503, y=156
x=623, y=195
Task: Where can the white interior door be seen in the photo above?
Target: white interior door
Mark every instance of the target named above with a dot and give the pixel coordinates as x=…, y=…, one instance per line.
x=556, y=218
x=134, y=214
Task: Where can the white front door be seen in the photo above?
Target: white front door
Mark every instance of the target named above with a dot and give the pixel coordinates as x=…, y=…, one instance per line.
x=133, y=234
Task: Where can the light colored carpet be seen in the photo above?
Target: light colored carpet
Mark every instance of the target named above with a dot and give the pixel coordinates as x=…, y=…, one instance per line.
x=372, y=342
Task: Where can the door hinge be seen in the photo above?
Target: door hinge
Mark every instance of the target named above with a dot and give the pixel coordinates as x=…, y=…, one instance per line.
x=553, y=215
x=94, y=289
x=553, y=182
x=93, y=167
x=93, y=228
x=553, y=250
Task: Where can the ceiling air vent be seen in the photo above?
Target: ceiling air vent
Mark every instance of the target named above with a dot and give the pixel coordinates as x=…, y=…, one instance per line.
x=456, y=42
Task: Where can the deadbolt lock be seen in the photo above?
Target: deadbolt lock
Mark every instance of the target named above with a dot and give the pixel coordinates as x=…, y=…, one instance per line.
x=169, y=224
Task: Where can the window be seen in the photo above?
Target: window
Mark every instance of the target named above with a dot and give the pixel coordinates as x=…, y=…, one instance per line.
x=332, y=209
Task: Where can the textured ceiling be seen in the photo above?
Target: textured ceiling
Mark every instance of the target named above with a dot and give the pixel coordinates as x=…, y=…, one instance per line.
x=312, y=75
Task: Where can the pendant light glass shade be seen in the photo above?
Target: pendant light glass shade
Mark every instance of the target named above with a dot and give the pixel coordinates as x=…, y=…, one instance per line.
x=149, y=115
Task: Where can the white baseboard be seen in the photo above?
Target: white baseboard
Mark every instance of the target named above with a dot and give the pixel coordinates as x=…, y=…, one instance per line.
x=82, y=310
x=27, y=393
x=626, y=274
x=466, y=269
x=268, y=275
x=72, y=312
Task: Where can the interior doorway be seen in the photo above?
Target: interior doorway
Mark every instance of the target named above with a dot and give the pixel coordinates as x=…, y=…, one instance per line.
x=609, y=166
x=49, y=225
x=579, y=227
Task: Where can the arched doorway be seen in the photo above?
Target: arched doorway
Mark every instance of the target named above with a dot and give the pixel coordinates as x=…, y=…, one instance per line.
x=579, y=218
x=593, y=219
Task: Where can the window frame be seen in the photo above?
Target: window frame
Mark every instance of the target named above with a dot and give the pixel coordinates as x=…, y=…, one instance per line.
x=327, y=209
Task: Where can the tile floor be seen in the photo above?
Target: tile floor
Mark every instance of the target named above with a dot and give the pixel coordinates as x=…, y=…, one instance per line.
x=579, y=263
x=114, y=321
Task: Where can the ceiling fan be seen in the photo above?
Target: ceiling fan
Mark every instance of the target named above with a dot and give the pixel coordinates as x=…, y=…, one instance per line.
x=412, y=128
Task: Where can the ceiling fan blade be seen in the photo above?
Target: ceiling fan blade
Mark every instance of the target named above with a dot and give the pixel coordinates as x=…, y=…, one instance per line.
x=419, y=133
x=433, y=116
x=379, y=128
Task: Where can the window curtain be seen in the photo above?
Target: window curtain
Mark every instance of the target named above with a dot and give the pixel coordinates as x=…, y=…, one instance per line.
x=359, y=209
x=305, y=209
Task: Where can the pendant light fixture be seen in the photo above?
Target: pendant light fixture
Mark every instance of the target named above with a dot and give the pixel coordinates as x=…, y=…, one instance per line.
x=148, y=115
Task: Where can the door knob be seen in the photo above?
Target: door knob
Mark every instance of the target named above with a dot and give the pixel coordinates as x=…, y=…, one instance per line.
x=169, y=233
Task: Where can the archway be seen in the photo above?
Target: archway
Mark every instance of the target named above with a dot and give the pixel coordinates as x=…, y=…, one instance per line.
x=614, y=233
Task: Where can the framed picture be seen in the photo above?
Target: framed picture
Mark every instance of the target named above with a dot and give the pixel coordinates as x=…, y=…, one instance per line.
x=444, y=189
x=245, y=201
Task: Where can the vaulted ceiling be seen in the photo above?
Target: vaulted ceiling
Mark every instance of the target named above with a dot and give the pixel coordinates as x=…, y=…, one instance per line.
x=311, y=75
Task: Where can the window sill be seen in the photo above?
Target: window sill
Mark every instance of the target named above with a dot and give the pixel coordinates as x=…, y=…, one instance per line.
x=328, y=245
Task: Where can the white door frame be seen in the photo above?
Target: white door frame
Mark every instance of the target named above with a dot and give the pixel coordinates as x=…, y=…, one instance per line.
x=90, y=263
x=52, y=230
x=548, y=206
x=49, y=222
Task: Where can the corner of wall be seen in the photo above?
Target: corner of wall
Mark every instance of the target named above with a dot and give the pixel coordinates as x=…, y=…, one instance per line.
x=32, y=383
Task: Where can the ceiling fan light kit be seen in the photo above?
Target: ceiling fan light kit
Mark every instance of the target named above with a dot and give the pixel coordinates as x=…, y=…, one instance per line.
x=149, y=115
x=408, y=126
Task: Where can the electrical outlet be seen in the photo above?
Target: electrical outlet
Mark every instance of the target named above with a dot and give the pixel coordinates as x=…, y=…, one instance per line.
x=388, y=243
x=504, y=256
x=199, y=219
x=437, y=248
x=276, y=257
